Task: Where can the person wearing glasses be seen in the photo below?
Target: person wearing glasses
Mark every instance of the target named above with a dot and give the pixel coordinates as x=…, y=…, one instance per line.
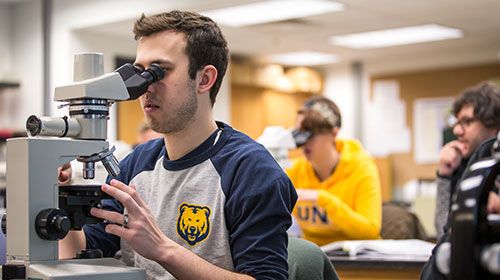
x=477, y=111
x=337, y=180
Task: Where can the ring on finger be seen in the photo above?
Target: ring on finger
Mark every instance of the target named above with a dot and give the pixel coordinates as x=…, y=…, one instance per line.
x=125, y=220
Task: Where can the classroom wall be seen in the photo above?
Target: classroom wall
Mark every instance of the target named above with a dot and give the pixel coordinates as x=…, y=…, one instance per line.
x=5, y=64
x=269, y=95
x=5, y=39
x=21, y=47
x=447, y=82
x=340, y=87
x=254, y=108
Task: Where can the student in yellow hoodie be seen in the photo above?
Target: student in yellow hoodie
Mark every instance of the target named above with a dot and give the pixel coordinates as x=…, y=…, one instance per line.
x=336, y=180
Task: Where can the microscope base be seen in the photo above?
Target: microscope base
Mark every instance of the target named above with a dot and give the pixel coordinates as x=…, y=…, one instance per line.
x=96, y=269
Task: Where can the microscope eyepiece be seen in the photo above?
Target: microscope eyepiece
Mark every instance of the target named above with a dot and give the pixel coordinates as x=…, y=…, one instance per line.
x=154, y=73
x=137, y=81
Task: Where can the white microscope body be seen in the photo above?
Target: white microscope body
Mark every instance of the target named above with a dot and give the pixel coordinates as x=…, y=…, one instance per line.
x=34, y=223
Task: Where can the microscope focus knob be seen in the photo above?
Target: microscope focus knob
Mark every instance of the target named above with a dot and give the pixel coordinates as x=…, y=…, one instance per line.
x=52, y=224
x=62, y=224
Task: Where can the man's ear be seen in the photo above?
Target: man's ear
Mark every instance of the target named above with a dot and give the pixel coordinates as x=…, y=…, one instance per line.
x=206, y=78
x=335, y=132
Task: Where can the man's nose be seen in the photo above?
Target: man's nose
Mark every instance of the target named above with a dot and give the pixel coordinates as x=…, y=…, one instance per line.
x=458, y=130
x=151, y=88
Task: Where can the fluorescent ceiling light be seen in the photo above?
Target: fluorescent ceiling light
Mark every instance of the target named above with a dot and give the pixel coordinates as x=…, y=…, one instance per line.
x=305, y=58
x=269, y=11
x=397, y=36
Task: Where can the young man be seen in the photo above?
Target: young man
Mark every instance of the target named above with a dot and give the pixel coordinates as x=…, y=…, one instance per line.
x=477, y=111
x=206, y=201
x=337, y=181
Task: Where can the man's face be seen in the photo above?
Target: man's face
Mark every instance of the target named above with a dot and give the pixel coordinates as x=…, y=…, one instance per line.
x=171, y=104
x=314, y=148
x=471, y=131
x=317, y=146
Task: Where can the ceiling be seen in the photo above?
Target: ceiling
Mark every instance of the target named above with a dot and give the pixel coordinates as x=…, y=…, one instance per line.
x=479, y=19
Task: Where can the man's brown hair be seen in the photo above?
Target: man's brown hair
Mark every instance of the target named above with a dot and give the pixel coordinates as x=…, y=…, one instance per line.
x=320, y=115
x=485, y=99
x=205, y=43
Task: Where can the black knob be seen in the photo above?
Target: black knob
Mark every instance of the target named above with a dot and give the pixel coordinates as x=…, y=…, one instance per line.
x=52, y=224
x=62, y=224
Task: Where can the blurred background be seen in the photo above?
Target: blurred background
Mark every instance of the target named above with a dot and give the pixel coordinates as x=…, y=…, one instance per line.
x=392, y=66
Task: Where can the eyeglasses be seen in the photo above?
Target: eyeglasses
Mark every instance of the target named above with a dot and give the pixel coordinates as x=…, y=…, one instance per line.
x=464, y=122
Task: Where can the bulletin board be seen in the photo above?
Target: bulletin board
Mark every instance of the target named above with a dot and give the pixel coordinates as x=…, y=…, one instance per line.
x=429, y=120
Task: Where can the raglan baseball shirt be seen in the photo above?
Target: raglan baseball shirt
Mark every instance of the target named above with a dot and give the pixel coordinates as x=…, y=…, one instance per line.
x=228, y=201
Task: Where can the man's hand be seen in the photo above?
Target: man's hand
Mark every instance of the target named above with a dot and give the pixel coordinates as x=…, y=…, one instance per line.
x=140, y=230
x=493, y=203
x=307, y=195
x=450, y=157
x=64, y=173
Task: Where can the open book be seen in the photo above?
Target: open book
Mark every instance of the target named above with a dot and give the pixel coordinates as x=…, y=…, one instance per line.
x=405, y=247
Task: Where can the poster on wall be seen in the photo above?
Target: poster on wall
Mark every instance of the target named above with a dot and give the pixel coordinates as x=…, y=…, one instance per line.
x=430, y=119
x=387, y=131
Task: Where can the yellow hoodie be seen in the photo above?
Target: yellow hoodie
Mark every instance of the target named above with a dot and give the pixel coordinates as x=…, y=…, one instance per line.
x=349, y=204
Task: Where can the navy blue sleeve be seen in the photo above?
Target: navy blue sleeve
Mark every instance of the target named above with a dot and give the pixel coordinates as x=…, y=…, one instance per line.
x=259, y=202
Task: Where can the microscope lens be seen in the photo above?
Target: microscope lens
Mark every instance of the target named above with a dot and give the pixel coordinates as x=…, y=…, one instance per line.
x=111, y=164
x=89, y=170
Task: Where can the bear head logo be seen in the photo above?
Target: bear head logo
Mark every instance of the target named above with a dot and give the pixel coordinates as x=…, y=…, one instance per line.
x=193, y=223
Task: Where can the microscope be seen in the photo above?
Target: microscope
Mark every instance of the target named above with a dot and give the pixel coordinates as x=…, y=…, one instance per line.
x=473, y=249
x=40, y=211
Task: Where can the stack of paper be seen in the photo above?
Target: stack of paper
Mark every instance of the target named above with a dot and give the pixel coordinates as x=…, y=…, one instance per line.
x=406, y=247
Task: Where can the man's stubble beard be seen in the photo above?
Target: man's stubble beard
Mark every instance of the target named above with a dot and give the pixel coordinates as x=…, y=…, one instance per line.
x=180, y=118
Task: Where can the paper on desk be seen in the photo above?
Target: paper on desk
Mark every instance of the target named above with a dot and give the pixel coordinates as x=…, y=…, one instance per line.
x=405, y=247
